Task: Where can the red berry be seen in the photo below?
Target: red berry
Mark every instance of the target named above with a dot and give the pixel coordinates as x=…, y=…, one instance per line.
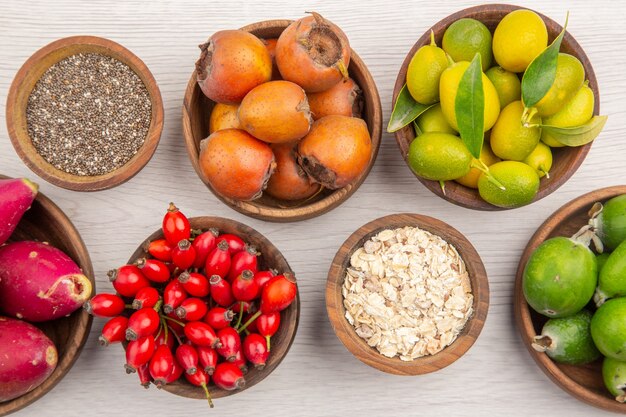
x=153, y=269
x=244, y=287
x=251, y=327
x=218, y=260
x=162, y=340
x=196, y=284
x=255, y=350
x=187, y=357
x=144, y=375
x=200, y=379
x=228, y=376
x=267, y=325
x=114, y=331
x=177, y=372
x=201, y=334
x=219, y=317
x=220, y=291
x=161, y=365
x=128, y=280
x=139, y=352
x=105, y=305
x=278, y=293
x=191, y=309
x=241, y=361
x=230, y=343
x=262, y=277
x=175, y=226
x=240, y=261
x=146, y=297
x=142, y=323
x=160, y=249
x=248, y=307
x=235, y=243
x=203, y=244
x=173, y=295
x=175, y=327
x=207, y=357
x=183, y=254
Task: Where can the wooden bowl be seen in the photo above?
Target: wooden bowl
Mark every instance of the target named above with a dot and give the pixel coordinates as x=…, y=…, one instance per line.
x=197, y=109
x=45, y=222
x=585, y=381
x=289, y=318
x=369, y=355
x=25, y=81
x=566, y=160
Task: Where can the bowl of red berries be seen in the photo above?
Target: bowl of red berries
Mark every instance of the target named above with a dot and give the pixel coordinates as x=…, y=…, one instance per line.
x=205, y=307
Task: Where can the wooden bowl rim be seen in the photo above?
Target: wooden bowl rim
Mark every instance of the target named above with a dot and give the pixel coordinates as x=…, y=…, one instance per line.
x=22, y=143
x=368, y=355
x=183, y=388
x=81, y=331
x=523, y=319
x=297, y=213
x=545, y=189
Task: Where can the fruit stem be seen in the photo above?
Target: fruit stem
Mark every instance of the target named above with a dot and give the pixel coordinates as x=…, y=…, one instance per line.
x=175, y=335
x=180, y=323
x=240, y=315
x=208, y=395
x=432, y=38
x=450, y=60
x=542, y=343
x=480, y=165
x=158, y=305
x=599, y=297
x=165, y=329
x=341, y=66
x=267, y=341
x=127, y=306
x=527, y=115
x=442, y=184
x=250, y=320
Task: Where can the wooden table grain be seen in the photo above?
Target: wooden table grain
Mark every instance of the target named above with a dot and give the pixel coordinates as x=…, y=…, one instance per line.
x=318, y=377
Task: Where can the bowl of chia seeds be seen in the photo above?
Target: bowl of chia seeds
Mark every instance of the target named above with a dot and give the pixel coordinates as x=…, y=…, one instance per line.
x=84, y=113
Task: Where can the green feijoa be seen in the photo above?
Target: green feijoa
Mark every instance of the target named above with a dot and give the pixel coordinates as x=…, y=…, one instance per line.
x=610, y=224
x=614, y=375
x=612, y=277
x=608, y=328
x=439, y=156
x=560, y=277
x=568, y=339
x=601, y=258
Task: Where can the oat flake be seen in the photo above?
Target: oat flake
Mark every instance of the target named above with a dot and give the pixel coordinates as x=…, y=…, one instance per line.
x=407, y=293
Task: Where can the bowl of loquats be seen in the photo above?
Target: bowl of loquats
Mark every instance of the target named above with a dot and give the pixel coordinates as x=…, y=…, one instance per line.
x=540, y=107
x=293, y=131
x=398, y=310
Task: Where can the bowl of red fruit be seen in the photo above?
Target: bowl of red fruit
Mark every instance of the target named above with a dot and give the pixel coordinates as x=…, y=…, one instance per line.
x=205, y=307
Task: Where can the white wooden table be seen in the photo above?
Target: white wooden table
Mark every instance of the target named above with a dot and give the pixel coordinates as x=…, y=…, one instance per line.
x=318, y=377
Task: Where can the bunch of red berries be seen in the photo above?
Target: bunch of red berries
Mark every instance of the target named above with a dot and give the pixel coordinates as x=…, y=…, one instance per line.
x=198, y=307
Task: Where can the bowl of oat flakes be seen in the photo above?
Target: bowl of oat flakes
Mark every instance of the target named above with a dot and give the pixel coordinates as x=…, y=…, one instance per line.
x=407, y=294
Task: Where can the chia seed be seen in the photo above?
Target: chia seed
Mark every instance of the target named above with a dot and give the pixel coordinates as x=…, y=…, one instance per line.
x=88, y=114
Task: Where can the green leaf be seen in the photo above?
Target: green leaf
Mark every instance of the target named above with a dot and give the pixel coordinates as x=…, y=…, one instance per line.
x=417, y=129
x=579, y=135
x=405, y=110
x=469, y=107
x=541, y=73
